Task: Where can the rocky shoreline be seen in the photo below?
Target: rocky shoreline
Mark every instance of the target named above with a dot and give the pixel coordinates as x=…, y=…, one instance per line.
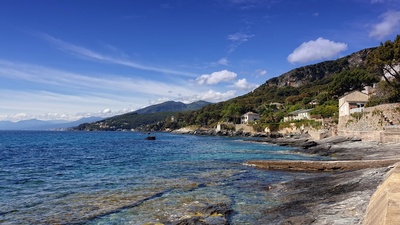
x=339, y=197
x=229, y=133
x=331, y=194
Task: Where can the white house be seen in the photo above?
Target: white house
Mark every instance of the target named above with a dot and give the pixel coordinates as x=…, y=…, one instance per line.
x=352, y=102
x=300, y=114
x=249, y=117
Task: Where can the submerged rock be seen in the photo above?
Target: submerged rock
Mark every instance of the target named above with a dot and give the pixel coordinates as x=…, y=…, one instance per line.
x=215, y=214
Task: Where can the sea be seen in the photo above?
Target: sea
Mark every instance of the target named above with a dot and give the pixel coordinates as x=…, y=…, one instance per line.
x=49, y=177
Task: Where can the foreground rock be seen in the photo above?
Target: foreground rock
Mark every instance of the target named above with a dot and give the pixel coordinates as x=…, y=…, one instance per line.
x=335, y=198
x=383, y=208
x=326, y=198
x=210, y=215
x=230, y=133
x=341, y=148
x=301, y=165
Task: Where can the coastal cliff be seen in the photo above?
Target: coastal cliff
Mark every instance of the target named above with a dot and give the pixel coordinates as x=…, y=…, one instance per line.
x=308, y=74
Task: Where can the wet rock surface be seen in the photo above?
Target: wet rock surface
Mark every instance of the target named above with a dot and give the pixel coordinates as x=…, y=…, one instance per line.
x=216, y=214
x=335, y=198
x=319, y=198
x=328, y=198
x=341, y=148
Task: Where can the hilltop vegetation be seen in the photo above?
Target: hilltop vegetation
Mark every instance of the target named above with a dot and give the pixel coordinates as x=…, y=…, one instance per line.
x=171, y=106
x=316, y=87
x=384, y=62
x=150, y=118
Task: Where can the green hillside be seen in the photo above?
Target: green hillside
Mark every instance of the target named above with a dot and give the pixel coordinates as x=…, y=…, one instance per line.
x=315, y=87
x=149, y=118
x=171, y=106
x=321, y=83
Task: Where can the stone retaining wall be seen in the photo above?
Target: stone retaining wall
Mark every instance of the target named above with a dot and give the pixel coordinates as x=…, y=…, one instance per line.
x=244, y=128
x=364, y=135
x=380, y=123
x=383, y=208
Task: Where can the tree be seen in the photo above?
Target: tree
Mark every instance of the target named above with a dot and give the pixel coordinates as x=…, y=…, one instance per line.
x=325, y=111
x=385, y=60
x=385, y=93
x=349, y=80
x=232, y=112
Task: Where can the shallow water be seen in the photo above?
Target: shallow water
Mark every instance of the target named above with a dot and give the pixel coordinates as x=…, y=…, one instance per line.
x=120, y=178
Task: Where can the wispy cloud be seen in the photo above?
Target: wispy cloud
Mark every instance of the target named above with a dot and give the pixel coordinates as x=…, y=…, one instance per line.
x=316, y=50
x=46, y=105
x=250, y=4
x=237, y=39
x=90, y=54
x=389, y=24
x=223, y=61
x=73, y=82
x=58, y=94
x=261, y=72
x=377, y=1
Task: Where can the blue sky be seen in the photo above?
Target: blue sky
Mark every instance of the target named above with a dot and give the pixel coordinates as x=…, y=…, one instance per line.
x=70, y=59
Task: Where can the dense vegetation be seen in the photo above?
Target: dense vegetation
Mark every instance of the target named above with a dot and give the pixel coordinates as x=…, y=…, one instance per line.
x=171, y=106
x=314, y=87
x=127, y=122
x=153, y=117
x=384, y=62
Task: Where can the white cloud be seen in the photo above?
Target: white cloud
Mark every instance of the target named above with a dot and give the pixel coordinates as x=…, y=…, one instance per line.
x=60, y=116
x=107, y=111
x=244, y=85
x=390, y=24
x=58, y=94
x=90, y=54
x=61, y=92
x=238, y=39
x=316, y=50
x=216, y=77
x=210, y=96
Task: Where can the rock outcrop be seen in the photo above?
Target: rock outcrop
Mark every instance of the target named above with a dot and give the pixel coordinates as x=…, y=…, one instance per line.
x=312, y=73
x=301, y=165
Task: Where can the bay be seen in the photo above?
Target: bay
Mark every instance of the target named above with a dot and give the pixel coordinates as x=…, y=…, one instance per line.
x=121, y=178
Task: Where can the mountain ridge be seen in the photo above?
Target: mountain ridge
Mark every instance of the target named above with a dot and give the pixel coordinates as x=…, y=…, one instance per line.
x=316, y=86
x=314, y=72
x=172, y=106
x=35, y=124
x=138, y=119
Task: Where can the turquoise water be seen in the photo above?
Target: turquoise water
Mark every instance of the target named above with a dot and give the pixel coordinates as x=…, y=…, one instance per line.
x=120, y=178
